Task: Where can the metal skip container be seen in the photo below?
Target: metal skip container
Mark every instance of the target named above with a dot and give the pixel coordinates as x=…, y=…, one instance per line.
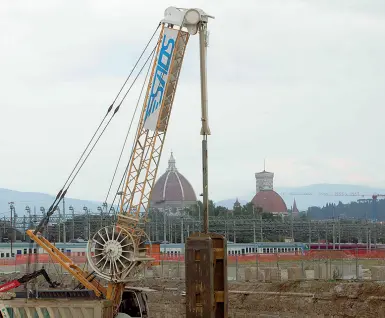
x=55, y=308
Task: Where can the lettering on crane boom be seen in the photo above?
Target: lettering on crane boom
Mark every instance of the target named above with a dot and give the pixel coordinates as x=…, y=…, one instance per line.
x=160, y=78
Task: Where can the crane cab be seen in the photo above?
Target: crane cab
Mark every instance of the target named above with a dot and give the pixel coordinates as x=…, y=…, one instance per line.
x=134, y=304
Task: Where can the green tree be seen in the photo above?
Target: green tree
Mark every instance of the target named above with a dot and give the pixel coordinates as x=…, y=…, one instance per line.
x=221, y=211
x=248, y=209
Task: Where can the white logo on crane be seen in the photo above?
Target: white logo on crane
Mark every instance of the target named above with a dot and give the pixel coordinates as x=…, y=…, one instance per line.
x=160, y=78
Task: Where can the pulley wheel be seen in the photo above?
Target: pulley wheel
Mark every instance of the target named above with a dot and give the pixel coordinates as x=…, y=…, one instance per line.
x=111, y=253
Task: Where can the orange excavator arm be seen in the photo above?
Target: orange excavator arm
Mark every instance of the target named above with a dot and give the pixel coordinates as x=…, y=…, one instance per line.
x=82, y=276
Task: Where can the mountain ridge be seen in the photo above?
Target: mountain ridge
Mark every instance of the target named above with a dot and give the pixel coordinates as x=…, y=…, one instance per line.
x=305, y=196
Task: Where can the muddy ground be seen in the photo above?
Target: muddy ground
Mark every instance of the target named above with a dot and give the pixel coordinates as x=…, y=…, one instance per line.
x=312, y=298
x=295, y=299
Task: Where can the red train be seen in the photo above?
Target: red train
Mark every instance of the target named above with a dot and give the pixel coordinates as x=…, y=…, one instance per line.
x=343, y=246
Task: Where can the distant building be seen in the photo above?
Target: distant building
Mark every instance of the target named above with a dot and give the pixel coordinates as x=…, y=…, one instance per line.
x=172, y=191
x=264, y=180
x=237, y=204
x=295, y=210
x=266, y=198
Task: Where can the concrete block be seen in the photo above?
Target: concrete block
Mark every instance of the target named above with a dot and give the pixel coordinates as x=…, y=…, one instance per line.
x=241, y=273
x=309, y=274
x=272, y=274
x=252, y=274
x=284, y=275
x=366, y=274
x=378, y=273
x=161, y=271
x=157, y=271
x=178, y=272
x=321, y=271
x=294, y=273
x=336, y=272
x=166, y=271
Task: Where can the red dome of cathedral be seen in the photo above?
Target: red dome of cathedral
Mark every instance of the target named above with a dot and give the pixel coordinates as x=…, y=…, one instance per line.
x=172, y=188
x=269, y=201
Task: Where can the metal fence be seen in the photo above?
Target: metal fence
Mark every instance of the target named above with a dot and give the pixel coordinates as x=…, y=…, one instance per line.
x=353, y=264
x=321, y=265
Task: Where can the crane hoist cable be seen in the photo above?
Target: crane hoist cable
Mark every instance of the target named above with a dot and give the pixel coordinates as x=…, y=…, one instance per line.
x=109, y=121
x=126, y=138
x=45, y=220
x=61, y=194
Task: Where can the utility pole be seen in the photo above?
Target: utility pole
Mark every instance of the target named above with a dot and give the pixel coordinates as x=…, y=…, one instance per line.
x=4, y=227
x=181, y=230
x=101, y=216
x=254, y=234
x=30, y=225
x=27, y=208
x=334, y=228
x=42, y=210
x=156, y=224
x=71, y=208
x=64, y=223
x=105, y=212
x=234, y=234
x=11, y=207
x=164, y=222
x=88, y=222
x=339, y=232
x=58, y=238
x=24, y=228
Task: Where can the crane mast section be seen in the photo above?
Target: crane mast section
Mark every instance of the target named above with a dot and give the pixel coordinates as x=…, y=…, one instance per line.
x=153, y=125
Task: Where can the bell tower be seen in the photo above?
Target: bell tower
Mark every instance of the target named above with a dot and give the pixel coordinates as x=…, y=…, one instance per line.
x=264, y=180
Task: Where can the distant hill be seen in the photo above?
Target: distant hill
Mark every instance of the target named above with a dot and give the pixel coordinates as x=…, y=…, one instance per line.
x=36, y=200
x=314, y=195
x=305, y=197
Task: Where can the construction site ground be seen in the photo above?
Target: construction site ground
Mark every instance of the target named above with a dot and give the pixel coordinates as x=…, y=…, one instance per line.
x=297, y=298
x=286, y=299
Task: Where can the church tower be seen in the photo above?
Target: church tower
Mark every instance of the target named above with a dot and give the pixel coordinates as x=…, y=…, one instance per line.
x=264, y=180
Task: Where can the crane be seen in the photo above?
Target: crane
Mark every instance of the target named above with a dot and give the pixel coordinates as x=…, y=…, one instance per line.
x=115, y=252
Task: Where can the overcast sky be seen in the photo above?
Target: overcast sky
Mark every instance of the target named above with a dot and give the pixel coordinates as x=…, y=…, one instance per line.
x=300, y=83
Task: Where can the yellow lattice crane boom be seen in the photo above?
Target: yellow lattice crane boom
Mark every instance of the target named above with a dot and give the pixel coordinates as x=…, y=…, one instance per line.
x=115, y=251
